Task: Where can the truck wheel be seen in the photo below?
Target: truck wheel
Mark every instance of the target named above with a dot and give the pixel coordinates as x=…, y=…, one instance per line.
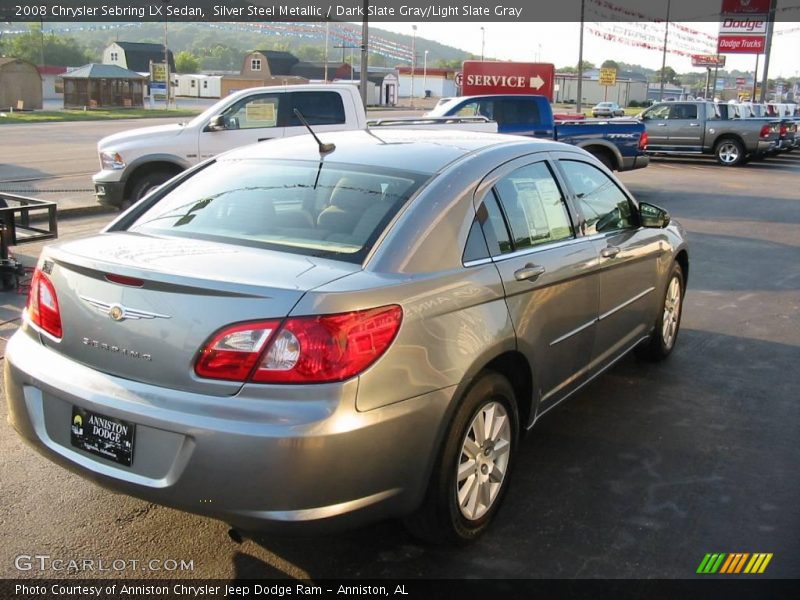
x=729, y=152
x=473, y=469
x=604, y=158
x=147, y=183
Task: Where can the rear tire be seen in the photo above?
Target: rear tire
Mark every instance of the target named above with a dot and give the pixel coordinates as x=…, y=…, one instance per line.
x=729, y=152
x=474, y=466
x=668, y=320
x=604, y=158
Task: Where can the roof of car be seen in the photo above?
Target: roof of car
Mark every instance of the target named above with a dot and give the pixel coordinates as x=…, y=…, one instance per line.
x=420, y=150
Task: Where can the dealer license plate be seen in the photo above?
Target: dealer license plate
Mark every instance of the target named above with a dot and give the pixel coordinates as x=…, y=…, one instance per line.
x=103, y=436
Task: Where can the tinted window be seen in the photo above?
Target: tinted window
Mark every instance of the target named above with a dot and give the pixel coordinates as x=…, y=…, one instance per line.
x=683, y=111
x=475, y=248
x=493, y=225
x=516, y=111
x=253, y=112
x=534, y=206
x=333, y=211
x=602, y=203
x=318, y=108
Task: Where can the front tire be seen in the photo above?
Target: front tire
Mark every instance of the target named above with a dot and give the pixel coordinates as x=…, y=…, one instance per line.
x=147, y=183
x=472, y=473
x=668, y=321
x=729, y=152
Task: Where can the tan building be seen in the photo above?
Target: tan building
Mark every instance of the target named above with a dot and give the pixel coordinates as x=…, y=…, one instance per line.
x=20, y=84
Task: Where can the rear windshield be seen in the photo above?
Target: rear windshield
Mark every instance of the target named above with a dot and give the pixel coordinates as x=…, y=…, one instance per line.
x=317, y=209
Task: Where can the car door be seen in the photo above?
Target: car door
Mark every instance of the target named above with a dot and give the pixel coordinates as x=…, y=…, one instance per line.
x=252, y=119
x=684, y=127
x=548, y=273
x=655, y=121
x=628, y=257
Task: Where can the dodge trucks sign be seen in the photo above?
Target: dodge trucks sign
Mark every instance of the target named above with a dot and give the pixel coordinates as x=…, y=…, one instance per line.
x=490, y=77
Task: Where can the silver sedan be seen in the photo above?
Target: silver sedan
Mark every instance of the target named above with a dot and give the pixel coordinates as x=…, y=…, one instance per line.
x=291, y=335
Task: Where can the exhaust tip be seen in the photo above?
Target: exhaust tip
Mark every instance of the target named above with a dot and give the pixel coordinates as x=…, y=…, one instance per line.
x=235, y=535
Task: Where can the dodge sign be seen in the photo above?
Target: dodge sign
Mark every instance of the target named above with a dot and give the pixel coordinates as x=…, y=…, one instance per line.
x=491, y=77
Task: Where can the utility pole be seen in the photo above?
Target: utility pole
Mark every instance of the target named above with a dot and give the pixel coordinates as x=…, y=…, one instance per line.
x=483, y=42
x=755, y=81
x=166, y=58
x=664, y=53
x=325, y=55
x=579, y=104
x=364, y=54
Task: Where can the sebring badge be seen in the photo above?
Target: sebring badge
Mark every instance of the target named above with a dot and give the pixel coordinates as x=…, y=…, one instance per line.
x=119, y=313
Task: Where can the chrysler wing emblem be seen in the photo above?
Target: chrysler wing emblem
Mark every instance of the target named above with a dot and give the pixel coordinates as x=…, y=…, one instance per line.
x=118, y=312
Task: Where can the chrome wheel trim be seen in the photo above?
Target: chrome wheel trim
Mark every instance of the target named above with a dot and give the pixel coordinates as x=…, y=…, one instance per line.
x=672, y=312
x=728, y=152
x=483, y=460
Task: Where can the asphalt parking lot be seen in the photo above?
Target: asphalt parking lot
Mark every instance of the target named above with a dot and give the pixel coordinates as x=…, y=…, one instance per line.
x=638, y=476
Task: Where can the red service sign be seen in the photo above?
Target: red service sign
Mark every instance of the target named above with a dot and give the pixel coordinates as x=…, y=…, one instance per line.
x=494, y=77
x=745, y=6
x=741, y=44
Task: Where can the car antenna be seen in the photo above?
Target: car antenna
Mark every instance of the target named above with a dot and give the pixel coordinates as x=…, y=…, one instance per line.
x=323, y=148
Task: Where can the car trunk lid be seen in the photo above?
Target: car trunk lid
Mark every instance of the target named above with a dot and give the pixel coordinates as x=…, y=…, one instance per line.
x=142, y=307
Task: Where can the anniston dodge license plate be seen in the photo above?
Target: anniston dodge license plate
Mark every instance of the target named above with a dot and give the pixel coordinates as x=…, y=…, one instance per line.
x=103, y=436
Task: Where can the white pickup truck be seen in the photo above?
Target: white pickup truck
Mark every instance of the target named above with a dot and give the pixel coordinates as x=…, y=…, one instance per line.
x=137, y=161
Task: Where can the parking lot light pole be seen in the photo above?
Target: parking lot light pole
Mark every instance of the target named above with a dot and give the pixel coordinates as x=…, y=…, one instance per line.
x=413, y=60
x=483, y=42
x=425, y=75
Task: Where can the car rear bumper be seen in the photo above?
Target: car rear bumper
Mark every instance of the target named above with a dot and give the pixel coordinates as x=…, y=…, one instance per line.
x=630, y=163
x=304, y=460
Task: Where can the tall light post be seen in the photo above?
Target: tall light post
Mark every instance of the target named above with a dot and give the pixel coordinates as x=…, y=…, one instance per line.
x=483, y=41
x=413, y=60
x=166, y=57
x=425, y=75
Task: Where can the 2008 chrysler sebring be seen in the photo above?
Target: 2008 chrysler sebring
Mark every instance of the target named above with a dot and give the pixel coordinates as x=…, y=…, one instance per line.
x=293, y=335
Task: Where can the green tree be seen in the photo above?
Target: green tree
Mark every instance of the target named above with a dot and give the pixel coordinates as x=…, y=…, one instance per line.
x=610, y=64
x=34, y=46
x=311, y=53
x=186, y=62
x=587, y=66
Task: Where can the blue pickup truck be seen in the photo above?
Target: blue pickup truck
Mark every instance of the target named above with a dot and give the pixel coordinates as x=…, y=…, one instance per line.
x=619, y=144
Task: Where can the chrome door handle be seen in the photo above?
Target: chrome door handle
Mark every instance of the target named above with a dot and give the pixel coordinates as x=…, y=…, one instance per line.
x=529, y=272
x=694, y=124
x=661, y=124
x=609, y=252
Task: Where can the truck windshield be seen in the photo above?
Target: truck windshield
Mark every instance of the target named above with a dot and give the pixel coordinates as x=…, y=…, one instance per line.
x=331, y=210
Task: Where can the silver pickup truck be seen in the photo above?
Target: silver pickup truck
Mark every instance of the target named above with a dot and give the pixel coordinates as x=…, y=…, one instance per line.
x=698, y=128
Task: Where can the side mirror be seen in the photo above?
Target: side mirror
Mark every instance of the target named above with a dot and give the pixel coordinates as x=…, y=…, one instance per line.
x=653, y=216
x=216, y=124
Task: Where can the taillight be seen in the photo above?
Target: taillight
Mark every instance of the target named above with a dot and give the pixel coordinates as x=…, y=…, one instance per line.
x=765, y=131
x=42, y=305
x=314, y=349
x=233, y=353
x=783, y=129
x=643, y=142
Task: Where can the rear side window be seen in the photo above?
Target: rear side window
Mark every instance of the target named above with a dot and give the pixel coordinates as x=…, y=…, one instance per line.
x=533, y=206
x=330, y=210
x=318, y=108
x=683, y=111
x=517, y=111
